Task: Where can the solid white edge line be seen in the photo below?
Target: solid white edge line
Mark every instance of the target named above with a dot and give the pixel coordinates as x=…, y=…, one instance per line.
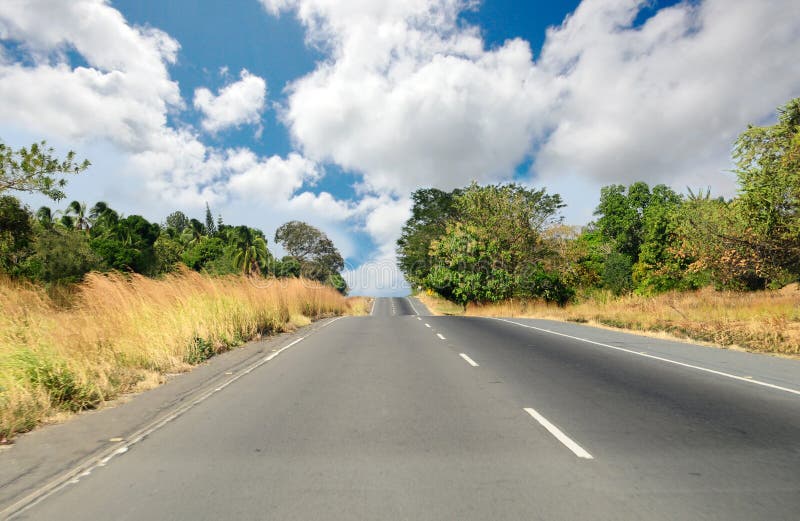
x=372, y=311
x=441, y=337
x=412, y=306
x=560, y=436
x=100, y=460
x=469, y=360
x=654, y=357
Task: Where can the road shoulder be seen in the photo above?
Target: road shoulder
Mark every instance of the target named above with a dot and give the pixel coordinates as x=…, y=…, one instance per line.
x=42, y=455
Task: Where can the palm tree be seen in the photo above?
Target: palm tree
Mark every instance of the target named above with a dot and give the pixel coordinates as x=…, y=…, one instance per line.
x=193, y=233
x=46, y=217
x=102, y=214
x=67, y=221
x=250, y=253
x=78, y=210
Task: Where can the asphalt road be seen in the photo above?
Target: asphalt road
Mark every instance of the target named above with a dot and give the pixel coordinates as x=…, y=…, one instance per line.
x=405, y=416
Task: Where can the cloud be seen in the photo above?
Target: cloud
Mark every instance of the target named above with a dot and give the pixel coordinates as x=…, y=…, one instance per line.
x=123, y=94
x=664, y=102
x=237, y=103
x=274, y=179
x=410, y=96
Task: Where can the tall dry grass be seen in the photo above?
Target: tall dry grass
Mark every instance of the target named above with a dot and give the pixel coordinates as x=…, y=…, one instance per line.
x=765, y=321
x=122, y=333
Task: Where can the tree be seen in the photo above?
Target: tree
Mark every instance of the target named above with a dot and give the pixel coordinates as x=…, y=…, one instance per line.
x=249, y=250
x=127, y=244
x=288, y=266
x=621, y=211
x=80, y=218
x=45, y=217
x=715, y=239
x=193, y=233
x=467, y=266
x=768, y=169
x=61, y=255
x=35, y=169
x=492, y=247
x=168, y=252
x=430, y=213
x=207, y=253
x=337, y=282
x=513, y=216
x=659, y=267
x=316, y=253
x=177, y=221
x=16, y=233
x=102, y=214
x=211, y=227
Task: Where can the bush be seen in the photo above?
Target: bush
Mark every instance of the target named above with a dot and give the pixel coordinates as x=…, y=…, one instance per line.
x=544, y=285
x=617, y=271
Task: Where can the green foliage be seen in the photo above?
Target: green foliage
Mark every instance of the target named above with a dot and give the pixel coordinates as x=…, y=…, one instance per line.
x=318, y=257
x=45, y=217
x=620, y=212
x=491, y=246
x=127, y=244
x=768, y=168
x=248, y=249
x=431, y=212
x=288, y=266
x=61, y=383
x=193, y=233
x=544, y=285
x=77, y=211
x=211, y=227
x=35, y=169
x=168, y=252
x=466, y=266
x=16, y=234
x=177, y=221
x=61, y=256
x=201, y=253
x=617, y=272
x=60, y=247
x=336, y=281
x=199, y=351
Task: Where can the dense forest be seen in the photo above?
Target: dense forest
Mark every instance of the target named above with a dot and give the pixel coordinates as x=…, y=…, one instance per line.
x=59, y=247
x=493, y=243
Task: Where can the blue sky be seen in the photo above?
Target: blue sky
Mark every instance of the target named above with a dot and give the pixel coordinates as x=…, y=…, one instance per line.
x=333, y=111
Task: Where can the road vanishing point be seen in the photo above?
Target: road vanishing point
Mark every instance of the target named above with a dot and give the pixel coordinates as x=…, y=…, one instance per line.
x=403, y=415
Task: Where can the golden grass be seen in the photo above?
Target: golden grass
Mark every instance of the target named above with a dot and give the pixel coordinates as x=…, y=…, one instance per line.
x=765, y=321
x=359, y=306
x=437, y=305
x=124, y=332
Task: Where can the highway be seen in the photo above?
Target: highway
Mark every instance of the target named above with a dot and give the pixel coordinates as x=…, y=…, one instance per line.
x=403, y=415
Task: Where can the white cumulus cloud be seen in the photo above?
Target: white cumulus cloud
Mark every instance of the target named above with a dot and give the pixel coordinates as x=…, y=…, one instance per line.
x=123, y=94
x=236, y=104
x=411, y=97
x=664, y=102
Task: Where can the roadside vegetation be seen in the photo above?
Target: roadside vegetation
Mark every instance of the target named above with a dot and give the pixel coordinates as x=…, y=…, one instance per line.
x=123, y=333
x=691, y=264
x=94, y=303
x=766, y=321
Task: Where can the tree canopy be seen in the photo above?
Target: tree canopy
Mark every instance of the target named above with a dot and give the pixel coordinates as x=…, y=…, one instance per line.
x=37, y=169
x=318, y=257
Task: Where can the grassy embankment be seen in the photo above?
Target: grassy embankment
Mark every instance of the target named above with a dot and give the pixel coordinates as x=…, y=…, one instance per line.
x=124, y=333
x=765, y=321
